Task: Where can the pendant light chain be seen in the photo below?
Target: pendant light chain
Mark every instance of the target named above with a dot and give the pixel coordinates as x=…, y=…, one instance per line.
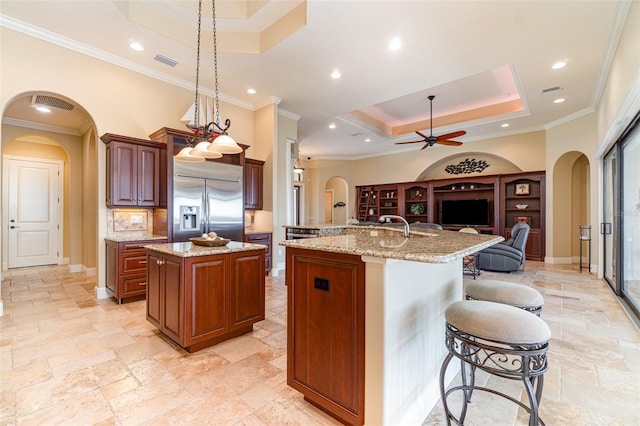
x=196, y=118
x=215, y=59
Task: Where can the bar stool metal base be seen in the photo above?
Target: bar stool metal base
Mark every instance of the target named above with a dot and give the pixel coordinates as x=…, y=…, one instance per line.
x=524, y=362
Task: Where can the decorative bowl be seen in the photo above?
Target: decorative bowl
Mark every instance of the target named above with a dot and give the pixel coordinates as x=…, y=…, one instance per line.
x=522, y=206
x=199, y=241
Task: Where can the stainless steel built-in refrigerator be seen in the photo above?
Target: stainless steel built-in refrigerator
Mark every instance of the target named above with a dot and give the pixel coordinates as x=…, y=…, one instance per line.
x=207, y=197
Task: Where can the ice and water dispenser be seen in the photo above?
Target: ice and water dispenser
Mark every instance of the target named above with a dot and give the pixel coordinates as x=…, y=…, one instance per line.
x=189, y=218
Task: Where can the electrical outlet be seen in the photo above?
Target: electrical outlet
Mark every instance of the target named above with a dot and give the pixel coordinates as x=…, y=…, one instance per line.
x=374, y=233
x=136, y=220
x=280, y=252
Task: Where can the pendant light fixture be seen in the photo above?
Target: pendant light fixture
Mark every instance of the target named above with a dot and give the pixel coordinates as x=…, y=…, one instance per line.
x=297, y=166
x=209, y=140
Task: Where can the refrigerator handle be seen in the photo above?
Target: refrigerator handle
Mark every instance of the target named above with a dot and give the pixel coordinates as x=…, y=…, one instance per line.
x=205, y=212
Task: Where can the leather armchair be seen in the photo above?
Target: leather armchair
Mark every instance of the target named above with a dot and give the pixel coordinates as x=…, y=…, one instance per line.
x=507, y=256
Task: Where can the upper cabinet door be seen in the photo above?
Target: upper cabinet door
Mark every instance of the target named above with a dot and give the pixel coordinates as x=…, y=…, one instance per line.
x=148, y=176
x=253, y=184
x=123, y=172
x=133, y=172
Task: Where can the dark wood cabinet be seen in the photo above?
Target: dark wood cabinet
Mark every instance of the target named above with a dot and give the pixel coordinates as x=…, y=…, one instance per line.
x=416, y=207
x=133, y=172
x=325, y=339
x=246, y=292
x=375, y=201
x=523, y=200
x=253, y=193
x=126, y=275
x=200, y=301
x=263, y=238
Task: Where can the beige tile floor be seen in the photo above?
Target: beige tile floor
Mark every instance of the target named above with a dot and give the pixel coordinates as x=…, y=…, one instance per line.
x=67, y=358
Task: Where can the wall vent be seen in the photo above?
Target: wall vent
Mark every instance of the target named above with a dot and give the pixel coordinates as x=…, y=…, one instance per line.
x=165, y=60
x=51, y=102
x=551, y=90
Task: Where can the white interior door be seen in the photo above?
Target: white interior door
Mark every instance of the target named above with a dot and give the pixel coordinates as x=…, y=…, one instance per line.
x=33, y=212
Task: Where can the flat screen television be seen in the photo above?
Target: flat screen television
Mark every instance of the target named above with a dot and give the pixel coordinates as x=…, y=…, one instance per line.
x=464, y=212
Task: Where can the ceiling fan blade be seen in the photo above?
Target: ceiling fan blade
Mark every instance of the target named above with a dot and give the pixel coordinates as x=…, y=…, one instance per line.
x=421, y=134
x=452, y=135
x=402, y=143
x=426, y=145
x=449, y=142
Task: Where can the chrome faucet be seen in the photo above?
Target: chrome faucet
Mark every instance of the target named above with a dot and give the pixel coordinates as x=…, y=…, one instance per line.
x=384, y=217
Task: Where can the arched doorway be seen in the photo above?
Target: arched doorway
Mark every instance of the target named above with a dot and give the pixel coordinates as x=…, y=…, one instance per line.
x=571, y=201
x=336, y=201
x=66, y=133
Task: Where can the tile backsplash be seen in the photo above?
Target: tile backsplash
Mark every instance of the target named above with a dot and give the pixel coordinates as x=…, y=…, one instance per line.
x=138, y=220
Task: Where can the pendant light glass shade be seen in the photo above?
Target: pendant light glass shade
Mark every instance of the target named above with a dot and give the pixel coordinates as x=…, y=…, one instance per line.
x=185, y=155
x=203, y=150
x=225, y=144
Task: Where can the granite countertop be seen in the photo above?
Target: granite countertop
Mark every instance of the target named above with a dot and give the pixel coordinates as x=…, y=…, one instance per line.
x=429, y=247
x=187, y=249
x=134, y=237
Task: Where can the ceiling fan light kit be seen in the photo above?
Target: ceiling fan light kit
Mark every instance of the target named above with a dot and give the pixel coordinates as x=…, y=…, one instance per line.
x=430, y=140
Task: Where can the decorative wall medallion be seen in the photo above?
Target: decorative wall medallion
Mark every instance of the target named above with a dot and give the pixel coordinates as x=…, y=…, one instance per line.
x=467, y=167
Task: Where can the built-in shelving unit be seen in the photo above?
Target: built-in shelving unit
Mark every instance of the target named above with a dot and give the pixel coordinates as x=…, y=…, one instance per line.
x=504, y=196
x=416, y=205
x=523, y=200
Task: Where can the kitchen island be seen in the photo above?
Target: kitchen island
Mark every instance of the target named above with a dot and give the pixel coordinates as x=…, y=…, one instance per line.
x=200, y=296
x=366, y=319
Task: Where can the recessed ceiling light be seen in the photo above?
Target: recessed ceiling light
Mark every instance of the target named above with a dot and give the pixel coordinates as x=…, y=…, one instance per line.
x=559, y=100
x=136, y=46
x=367, y=140
x=251, y=91
x=558, y=65
x=43, y=109
x=395, y=44
x=336, y=74
x=332, y=126
x=505, y=125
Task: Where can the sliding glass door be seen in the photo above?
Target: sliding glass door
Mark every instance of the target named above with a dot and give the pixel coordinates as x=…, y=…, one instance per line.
x=609, y=228
x=621, y=225
x=630, y=280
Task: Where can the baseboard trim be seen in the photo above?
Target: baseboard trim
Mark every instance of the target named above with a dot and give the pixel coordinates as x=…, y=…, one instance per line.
x=101, y=293
x=75, y=268
x=558, y=260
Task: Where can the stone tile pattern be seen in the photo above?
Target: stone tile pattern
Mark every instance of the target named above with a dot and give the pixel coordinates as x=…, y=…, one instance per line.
x=68, y=358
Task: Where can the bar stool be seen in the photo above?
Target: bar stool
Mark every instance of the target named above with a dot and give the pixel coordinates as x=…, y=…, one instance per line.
x=513, y=294
x=501, y=340
x=469, y=262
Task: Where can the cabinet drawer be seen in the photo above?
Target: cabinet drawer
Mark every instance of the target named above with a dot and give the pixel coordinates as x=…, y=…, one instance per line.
x=133, y=285
x=133, y=262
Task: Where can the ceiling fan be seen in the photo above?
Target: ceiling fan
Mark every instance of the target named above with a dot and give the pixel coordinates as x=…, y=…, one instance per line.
x=442, y=139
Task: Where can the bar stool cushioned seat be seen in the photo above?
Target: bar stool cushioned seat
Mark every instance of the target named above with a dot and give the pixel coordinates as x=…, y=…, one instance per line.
x=501, y=340
x=513, y=294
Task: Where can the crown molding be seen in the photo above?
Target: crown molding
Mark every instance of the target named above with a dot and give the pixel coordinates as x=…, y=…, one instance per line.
x=289, y=114
x=40, y=126
x=85, y=49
